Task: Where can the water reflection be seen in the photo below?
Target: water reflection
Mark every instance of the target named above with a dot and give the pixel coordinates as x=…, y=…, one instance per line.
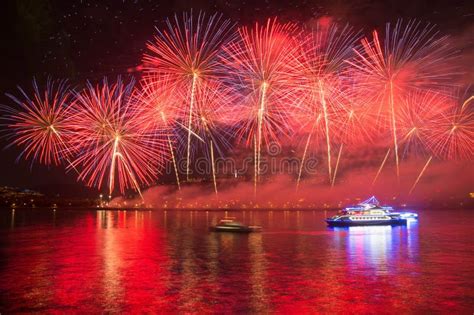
x=371, y=246
x=376, y=248
x=112, y=258
x=12, y=221
x=258, y=275
x=168, y=261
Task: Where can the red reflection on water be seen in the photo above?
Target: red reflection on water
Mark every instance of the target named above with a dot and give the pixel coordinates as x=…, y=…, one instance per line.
x=134, y=261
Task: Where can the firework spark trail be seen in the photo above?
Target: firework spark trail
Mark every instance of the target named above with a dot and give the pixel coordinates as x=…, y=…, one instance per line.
x=421, y=174
x=302, y=161
x=60, y=139
x=326, y=126
x=112, y=167
x=211, y=150
x=339, y=154
x=191, y=105
x=175, y=167
x=381, y=167
x=132, y=176
x=210, y=124
x=261, y=112
x=353, y=129
x=185, y=128
x=394, y=129
x=115, y=155
x=337, y=164
x=213, y=168
x=170, y=144
x=255, y=166
x=466, y=102
x=303, y=158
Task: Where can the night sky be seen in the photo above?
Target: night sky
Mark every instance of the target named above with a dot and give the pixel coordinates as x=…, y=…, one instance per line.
x=87, y=40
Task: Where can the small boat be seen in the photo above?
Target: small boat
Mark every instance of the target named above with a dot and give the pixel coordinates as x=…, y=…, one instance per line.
x=407, y=215
x=230, y=225
x=369, y=212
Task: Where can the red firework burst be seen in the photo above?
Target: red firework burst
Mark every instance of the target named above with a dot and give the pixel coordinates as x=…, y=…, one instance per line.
x=187, y=49
x=418, y=118
x=259, y=66
x=211, y=117
x=325, y=49
x=110, y=142
x=40, y=125
x=158, y=103
x=187, y=52
x=411, y=57
x=453, y=136
x=160, y=112
x=259, y=69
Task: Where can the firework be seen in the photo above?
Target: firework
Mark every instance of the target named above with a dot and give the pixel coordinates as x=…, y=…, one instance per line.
x=187, y=52
x=259, y=69
x=325, y=49
x=381, y=167
x=158, y=102
x=211, y=119
x=421, y=174
x=418, y=117
x=159, y=111
x=410, y=57
x=353, y=127
x=210, y=124
x=305, y=150
x=453, y=137
x=452, y=134
x=205, y=86
x=40, y=124
x=110, y=142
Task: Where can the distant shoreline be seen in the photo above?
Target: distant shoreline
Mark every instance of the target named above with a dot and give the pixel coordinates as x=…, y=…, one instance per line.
x=211, y=209
x=167, y=209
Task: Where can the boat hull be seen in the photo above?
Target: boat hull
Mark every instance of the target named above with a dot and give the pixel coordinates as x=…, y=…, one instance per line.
x=234, y=229
x=331, y=222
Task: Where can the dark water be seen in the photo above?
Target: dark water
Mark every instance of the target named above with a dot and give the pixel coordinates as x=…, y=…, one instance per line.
x=156, y=261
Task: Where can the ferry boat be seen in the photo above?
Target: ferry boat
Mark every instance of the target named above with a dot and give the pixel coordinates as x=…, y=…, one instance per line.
x=230, y=225
x=369, y=212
